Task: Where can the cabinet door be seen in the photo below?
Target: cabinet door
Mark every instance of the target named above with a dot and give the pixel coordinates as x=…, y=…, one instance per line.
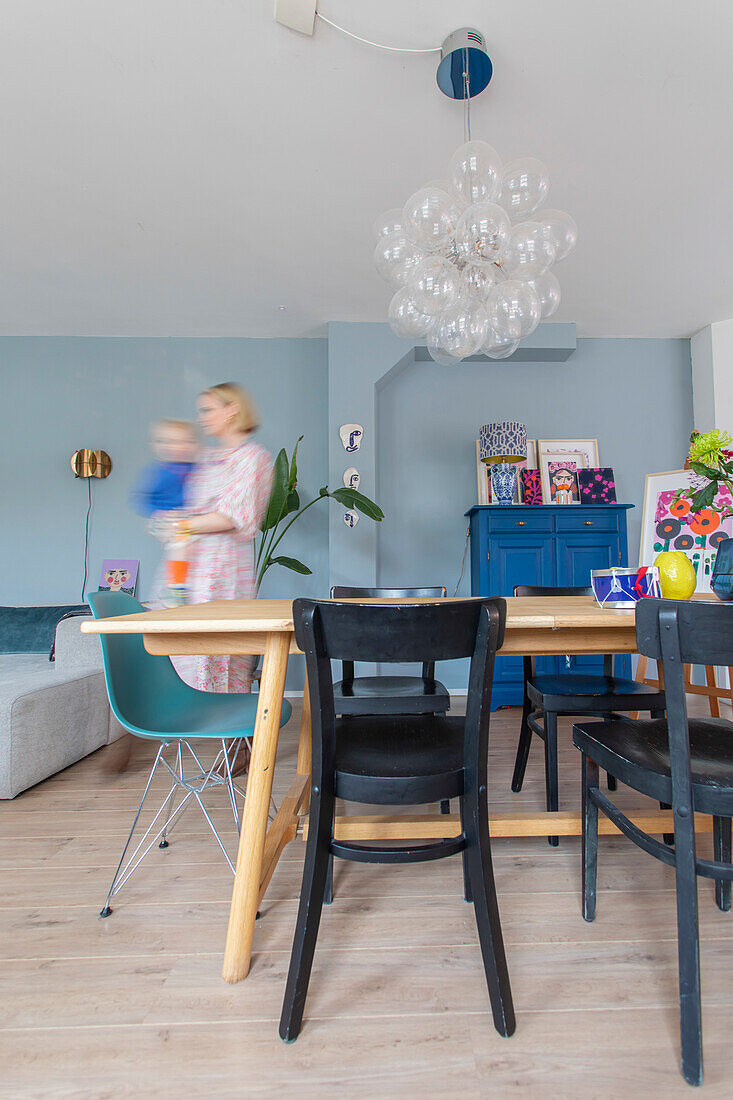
x=577, y=554
x=518, y=559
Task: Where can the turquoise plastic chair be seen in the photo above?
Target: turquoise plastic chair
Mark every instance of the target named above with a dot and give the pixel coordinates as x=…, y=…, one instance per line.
x=149, y=699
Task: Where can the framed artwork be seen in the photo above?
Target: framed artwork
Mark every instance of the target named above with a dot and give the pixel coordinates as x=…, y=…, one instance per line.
x=563, y=483
x=669, y=524
x=531, y=486
x=118, y=575
x=582, y=452
x=597, y=485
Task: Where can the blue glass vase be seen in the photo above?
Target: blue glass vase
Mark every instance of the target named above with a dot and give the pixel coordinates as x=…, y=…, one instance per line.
x=721, y=581
x=504, y=482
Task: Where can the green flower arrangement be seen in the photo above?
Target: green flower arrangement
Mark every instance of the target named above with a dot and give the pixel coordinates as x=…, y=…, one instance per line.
x=711, y=460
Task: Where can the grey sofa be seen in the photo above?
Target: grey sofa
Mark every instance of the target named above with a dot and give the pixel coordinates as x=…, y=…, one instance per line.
x=52, y=713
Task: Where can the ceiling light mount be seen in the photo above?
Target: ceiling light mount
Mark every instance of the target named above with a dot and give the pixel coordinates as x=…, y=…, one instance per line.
x=465, y=68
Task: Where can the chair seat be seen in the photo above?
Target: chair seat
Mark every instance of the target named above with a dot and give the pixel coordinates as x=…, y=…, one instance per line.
x=390, y=695
x=637, y=753
x=201, y=714
x=393, y=761
x=583, y=694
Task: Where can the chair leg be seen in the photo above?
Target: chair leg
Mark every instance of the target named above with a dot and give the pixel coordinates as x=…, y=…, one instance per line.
x=611, y=782
x=722, y=854
x=163, y=839
x=467, y=891
x=525, y=743
x=589, y=780
x=474, y=813
x=315, y=873
x=551, y=768
x=688, y=950
x=445, y=806
x=328, y=895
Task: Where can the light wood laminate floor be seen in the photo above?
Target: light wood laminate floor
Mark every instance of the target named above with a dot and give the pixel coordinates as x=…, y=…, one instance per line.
x=135, y=1005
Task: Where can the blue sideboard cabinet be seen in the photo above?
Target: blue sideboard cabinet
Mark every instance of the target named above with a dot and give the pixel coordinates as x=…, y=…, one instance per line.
x=543, y=544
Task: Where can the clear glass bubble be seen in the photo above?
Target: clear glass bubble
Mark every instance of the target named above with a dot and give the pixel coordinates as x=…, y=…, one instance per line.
x=436, y=284
x=478, y=279
x=461, y=330
x=429, y=219
x=395, y=258
x=524, y=186
x=547, y=289
x=476, y=172
x=483, y=233
x=563, y=229
x=406, y=319
x=513, y=309
x=388, y=222
x=531, y=250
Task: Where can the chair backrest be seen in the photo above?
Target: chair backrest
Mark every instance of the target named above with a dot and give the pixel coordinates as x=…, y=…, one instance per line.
x=705, y=629
x=442, y=631
x=552, y=590
x=345, y=592
x=678, y=632
x=140, y=686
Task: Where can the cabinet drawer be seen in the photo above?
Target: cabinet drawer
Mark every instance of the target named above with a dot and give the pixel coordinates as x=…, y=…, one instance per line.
x=520, y=521
x=583, y=519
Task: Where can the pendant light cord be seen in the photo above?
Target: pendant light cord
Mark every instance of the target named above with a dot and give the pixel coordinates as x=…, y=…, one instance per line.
x=368, y=42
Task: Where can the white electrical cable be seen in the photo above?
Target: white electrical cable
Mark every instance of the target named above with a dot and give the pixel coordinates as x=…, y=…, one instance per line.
x=367, y=42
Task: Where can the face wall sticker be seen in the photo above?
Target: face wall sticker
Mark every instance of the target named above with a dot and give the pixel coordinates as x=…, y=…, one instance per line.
x=351, y=436
x=352, y=478
x=351, y=518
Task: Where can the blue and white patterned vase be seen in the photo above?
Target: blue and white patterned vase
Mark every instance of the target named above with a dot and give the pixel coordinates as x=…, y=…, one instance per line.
x=503, y=482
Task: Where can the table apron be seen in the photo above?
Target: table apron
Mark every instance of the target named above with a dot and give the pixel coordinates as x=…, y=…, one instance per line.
x=224, y=644
x=531, y=642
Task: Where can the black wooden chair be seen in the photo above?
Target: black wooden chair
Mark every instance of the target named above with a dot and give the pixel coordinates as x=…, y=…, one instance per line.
x=571, y=693
x=389, y=694
x=685, y=763
x=399, y=760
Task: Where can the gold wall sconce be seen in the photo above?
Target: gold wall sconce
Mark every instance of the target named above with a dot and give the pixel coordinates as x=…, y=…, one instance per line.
x=86, y=463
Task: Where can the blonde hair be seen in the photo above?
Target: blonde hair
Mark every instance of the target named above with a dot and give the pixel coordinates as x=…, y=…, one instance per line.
x=229, y=393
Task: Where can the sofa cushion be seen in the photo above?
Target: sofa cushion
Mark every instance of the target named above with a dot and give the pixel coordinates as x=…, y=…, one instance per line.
x=73, y=650
x=31, y=629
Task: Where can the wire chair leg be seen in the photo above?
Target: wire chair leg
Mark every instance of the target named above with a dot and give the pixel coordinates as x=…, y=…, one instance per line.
x=164, y=842
x=105, y=912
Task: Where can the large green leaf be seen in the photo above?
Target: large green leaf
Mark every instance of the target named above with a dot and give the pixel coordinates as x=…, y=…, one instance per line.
x=704, y=471
x=705, y=497
x=292, y=504
x=293, y=480
x=291, y=563
x=280, y=489
x=352, y=498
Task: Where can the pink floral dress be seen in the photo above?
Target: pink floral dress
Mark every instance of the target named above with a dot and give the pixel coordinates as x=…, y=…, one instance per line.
x=237, y=483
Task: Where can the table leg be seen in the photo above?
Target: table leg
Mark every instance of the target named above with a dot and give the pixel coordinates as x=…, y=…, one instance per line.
x=246, y=890
x=304, y=740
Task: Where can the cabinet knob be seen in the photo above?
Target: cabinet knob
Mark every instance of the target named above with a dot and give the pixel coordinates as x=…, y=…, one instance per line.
x=521, y=523
x=588, y=522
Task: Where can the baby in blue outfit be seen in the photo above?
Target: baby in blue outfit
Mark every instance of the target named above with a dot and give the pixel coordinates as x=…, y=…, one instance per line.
x=161, y=485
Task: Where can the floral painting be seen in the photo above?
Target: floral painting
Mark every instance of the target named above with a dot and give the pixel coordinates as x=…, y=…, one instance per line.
x=531, y=486
x=597, y=485
x=698, y=534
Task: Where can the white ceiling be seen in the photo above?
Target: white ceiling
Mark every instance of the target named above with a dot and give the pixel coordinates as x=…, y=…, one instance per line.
x=186, y=167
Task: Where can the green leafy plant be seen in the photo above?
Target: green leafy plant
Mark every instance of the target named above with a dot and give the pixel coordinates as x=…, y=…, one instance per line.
x=285, y=508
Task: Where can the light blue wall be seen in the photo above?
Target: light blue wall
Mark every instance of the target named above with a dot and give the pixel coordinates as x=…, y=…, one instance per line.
x=59, y=394
x=634, y=396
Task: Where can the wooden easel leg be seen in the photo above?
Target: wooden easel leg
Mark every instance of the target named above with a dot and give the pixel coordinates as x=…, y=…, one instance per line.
x=713, y=699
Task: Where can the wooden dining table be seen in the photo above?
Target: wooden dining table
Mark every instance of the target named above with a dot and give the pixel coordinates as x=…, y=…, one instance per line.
x=536, y=626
